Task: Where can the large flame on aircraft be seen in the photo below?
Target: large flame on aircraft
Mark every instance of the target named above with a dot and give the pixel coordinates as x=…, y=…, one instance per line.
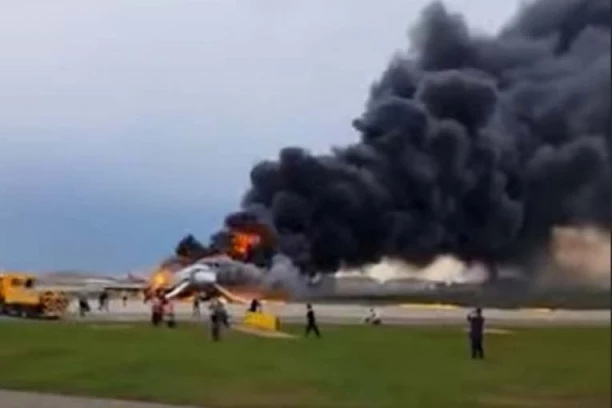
x=163, y=276
x=241, y=244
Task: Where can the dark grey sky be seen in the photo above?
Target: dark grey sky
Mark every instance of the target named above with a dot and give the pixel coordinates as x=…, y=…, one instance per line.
x=125, y=124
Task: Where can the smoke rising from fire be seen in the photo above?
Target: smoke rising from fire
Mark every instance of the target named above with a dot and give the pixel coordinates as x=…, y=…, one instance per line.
x=470, y=145
x=580, y=256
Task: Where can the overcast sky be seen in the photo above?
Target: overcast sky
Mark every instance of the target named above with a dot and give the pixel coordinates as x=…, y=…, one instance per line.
x=126, y=124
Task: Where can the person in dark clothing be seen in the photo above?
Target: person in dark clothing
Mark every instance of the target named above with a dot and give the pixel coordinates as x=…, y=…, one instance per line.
x=311, y=322
x=218, y=317
x=101, y=298
x=157, y=308
x=255, y=306
x=476, y=321
x=169, y=313
x=196, y=306
x=103, y=301
x=215, y=327
x=83, y=305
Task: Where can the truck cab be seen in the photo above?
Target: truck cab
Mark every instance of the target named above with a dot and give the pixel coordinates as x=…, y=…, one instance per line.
x=20, y=297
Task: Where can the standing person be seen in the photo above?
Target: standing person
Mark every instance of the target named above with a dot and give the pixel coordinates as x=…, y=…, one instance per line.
x=124, y=298
x=196, y=306
x=476, y=321
x=104, y=297
x=224, y=315
x=83, y=305
x=157, y=309
x=101, y=301
x=255, y=306
x=215, y=319
x=311, y=322
x=169, y=313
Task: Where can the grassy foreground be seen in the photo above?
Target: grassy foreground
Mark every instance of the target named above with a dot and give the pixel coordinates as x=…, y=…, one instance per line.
x=356, y=367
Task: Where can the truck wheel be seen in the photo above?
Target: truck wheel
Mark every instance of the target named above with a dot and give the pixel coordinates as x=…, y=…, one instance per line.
x=32, y=312
x=17, y=311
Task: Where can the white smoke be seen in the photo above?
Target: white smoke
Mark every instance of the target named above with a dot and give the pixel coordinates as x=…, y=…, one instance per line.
x=284, y=274
x=578, y=256
x=445, y=269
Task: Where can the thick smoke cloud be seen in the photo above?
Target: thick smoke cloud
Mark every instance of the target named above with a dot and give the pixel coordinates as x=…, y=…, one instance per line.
x=469, y=145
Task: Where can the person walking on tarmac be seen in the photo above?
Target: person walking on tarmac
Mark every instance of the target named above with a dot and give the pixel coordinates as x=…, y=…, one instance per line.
x=83, y=305
x=311, y=322
x=196, y=306
x=103, y=301
x=169, y=313
x=476, y=321
x=216, y=319
x=255, y=306
x=157, y=308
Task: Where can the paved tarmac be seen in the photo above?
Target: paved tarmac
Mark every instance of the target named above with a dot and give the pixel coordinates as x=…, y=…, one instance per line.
x=18, y=399
x=354, y=313
x=294, y=312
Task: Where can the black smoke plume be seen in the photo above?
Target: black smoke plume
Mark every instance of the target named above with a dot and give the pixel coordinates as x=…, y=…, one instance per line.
x=470, y=145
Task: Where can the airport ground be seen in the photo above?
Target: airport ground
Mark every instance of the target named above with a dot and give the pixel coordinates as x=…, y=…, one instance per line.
x=353, y=313
x=418, y=358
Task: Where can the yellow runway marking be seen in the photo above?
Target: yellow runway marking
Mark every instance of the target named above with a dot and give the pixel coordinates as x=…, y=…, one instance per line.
x=437, y=306
x=537, y=310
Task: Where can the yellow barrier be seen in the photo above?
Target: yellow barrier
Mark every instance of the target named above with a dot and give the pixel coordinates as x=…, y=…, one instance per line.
x=261, y=321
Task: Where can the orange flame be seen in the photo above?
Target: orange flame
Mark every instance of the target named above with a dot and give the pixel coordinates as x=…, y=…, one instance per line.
x=242, y=242
x=162, y=278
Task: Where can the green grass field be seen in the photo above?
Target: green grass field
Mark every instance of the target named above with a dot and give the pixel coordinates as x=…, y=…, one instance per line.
x=356, y=367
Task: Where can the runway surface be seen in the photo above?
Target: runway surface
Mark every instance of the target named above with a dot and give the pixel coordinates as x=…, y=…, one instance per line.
x=293, y=313
x=354, y=313
x=17, y=399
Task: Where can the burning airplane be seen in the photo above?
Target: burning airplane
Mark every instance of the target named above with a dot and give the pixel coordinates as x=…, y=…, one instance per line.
x=233, y=267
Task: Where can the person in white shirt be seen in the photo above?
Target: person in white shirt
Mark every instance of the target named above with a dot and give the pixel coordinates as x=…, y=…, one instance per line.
x=373, y=317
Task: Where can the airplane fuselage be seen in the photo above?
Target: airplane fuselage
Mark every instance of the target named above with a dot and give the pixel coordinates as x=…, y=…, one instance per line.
x=199, y=277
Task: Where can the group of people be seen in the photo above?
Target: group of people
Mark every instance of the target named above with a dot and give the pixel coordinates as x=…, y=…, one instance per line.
x=219, y=319
x=475, y=320
x=162, y=310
